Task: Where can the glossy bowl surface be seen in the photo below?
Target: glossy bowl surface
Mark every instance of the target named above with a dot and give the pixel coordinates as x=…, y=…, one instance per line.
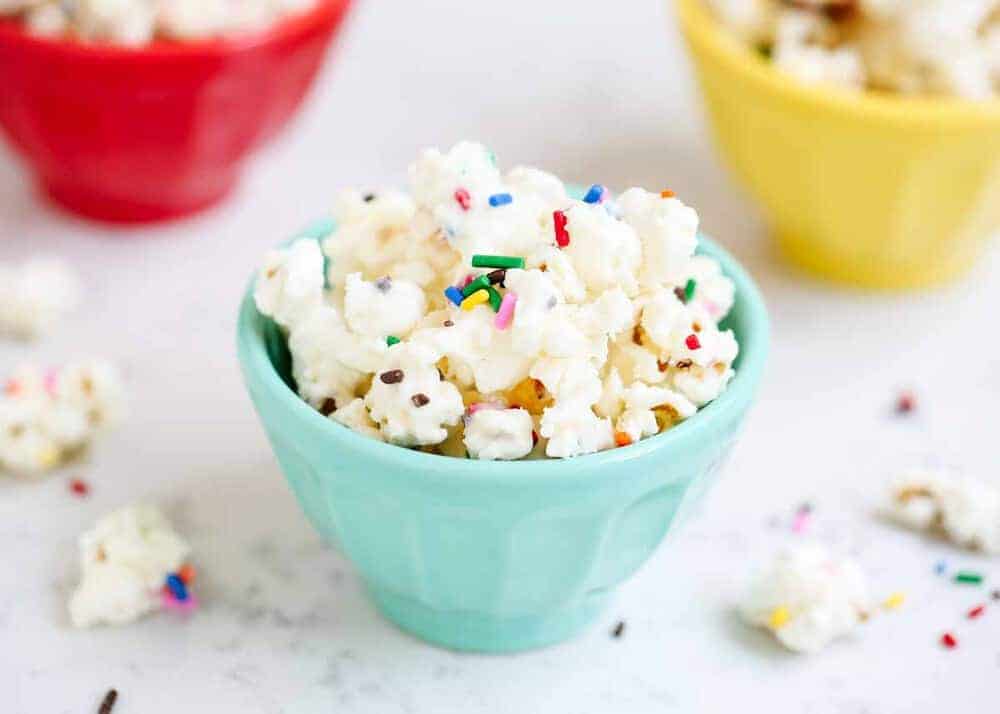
x=496, y=556
x=865, y=188
x=143, y=134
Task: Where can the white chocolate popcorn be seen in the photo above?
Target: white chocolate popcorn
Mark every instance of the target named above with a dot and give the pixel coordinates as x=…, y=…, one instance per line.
x=48, y=416
x=807, y=598
x=34, y=296
x=290, y=283
x=499, y=434
x=382, y=307
x=354, y=415
x=943, y=47
x=125, y=561
x=410, y=400
x=638, y=420
x=964, y=510
x=595, y=307
x=138, y=22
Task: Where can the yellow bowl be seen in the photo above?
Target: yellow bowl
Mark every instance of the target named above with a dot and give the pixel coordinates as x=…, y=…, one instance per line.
x=864, y=188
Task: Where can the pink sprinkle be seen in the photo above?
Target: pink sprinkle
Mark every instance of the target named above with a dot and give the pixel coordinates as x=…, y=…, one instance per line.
x=468, y=279
x=800, y=522
x=172, y=603
x=712, y=308
x=51, y=377
x=506, y=312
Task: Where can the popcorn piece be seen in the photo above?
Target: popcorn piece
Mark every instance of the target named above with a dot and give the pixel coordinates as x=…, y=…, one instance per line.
x=354, y=415
x=382, y=307
x=499, y=434
x=35, y=295
x=668, y=230
x=965, y=510
x=290, y=284
x=713, y=292
x=125, y=561
x=807, y=598
x=47, y=417
x=800, y=49
x=409, y=399
x=137, y=22
x=639, y=418
x=606, y=253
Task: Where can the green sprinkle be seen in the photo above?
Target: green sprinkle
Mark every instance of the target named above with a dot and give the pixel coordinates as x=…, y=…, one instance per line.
x=392, y=340
x=970, y=578
x=495, y=298
x=689, y=289
x=497, y=261
x=480, y=283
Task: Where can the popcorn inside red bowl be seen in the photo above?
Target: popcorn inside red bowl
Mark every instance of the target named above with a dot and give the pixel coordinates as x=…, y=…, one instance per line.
x=137, y=22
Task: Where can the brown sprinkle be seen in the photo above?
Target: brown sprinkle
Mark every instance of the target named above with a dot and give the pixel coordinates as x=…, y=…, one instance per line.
x=684, y=364
x=449, y=323
x=328, y=407
x=393, y=376
x=420, y=400
x=679, y=293
x=619, y=630
x=497, y=277
x=108, y=703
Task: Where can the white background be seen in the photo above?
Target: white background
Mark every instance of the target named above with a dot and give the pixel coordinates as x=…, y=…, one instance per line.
x=595, y=92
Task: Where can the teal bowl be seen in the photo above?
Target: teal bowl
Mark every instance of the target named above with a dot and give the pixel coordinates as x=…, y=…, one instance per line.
x=497, y=556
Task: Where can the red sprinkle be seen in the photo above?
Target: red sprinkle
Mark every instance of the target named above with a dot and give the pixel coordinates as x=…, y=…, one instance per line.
x=463, y=198
x=562, y=235
x=976, y=611
x=692, y=342
x=79, y=487
x=949, y=641
x=622, y=439
x=906, y=403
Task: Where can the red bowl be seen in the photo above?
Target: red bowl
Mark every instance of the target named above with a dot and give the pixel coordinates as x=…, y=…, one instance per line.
x=145, y=134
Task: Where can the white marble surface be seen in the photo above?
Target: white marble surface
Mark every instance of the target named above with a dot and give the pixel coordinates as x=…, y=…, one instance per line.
x=595, y=92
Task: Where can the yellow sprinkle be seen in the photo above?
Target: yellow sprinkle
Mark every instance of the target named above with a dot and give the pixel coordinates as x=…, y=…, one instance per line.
x=894, y=601
x=477, y=298
x=780, y=617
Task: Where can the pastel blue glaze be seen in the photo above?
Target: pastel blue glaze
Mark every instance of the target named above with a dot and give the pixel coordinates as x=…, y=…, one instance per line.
x=497, y=556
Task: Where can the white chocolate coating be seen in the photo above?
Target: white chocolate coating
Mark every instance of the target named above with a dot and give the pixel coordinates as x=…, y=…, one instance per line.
x=807, y=598
x=964, y=510
x=124, y=563
x=603, y=309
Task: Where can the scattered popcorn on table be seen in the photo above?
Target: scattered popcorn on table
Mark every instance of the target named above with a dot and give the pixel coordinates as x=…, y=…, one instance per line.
x=907, y=46
x=808, y=598
x=49, y=416
x=132, y=564
x=494, y=316
x=137, y=22
x=35, y=295
x=964, y=510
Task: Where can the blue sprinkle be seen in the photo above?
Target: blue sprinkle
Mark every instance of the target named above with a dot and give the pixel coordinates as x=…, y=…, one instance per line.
x=594, y=194
x=454, y=294
x=501, y=199
x=940, y=567
x=177, y=587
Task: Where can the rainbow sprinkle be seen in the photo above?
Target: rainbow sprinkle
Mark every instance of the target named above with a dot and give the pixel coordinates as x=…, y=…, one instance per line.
x=562, y=235
x=689, y=289
x=497, y=261
x=595, y=194
x=505, y=315
x=894, y=601
x=391, y=340
x=454, y=295
x=480, y=283
x=495, y=299
x=501, y=199
x=967, y=577
x=779, y=617
x=477, y=298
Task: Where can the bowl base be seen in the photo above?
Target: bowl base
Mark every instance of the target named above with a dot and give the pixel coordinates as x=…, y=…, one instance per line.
x=101, y=207
x=869, y=274
x=474, y=632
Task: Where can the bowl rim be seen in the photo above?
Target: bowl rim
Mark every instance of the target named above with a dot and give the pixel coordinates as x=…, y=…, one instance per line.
x=754, y=346
x=13, y=32
x=705, y=31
